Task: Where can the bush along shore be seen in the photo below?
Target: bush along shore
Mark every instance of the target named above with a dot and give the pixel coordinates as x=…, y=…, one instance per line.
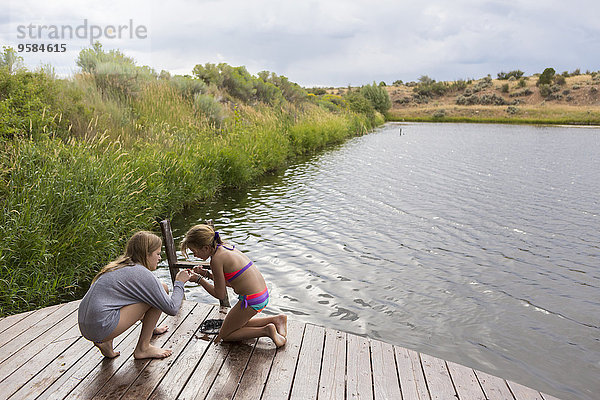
x=86, y=161
x=569, y=98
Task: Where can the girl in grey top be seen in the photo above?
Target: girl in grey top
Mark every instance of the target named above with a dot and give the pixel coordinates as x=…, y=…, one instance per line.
x=124, y=292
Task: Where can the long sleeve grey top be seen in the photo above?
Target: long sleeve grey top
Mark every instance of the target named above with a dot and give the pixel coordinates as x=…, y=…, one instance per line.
x=99, y=310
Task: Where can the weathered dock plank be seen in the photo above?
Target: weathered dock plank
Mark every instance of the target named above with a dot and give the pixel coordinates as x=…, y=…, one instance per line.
x=385, y=374
x=206, y=371
x=147, y=381
x=231, y=371
x=254, y=379
x=465, y=382
x=523, y=392
x=7, y=322
x=78, y=366
x=438, y=378
x=410, y=374
x=124, y=377
x=49, y=329
x=359, y=378
x=93, y=381
x=181, y=371
x=280, y=379
x=30, y=328
x=306, y=379
x=38, y=362
x=495, y=388
x=45, y=357
x=332, y=385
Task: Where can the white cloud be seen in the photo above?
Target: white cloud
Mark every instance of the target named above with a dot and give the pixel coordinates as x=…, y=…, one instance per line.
x=335, y=42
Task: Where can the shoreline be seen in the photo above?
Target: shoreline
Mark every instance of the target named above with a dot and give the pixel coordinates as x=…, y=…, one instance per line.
x=572, y=116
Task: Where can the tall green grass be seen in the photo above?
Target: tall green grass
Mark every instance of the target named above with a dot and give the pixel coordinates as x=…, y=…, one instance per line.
x=91, y=168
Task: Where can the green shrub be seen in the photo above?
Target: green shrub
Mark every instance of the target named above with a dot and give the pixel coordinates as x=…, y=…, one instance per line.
x=89, y=59
x=209, y=73
x=458, y=85
x=210, y=108
x=187, y=86
x=504, y=88
x=439, y=114
x=358, y=103
x=377, y=96
x=291, y=91
x=317, y=91
x=507, y=75
x=10, y=60
x=545, y=90
x=546, y=77
x=522, y=93
x=267, y=92
x=28, y=105
x=560, y=80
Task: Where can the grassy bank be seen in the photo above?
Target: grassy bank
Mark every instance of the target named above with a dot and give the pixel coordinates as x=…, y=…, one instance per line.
x=546, y=114
x=85, y=162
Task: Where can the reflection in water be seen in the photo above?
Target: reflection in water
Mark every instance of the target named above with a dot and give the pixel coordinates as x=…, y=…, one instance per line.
x=474, y=243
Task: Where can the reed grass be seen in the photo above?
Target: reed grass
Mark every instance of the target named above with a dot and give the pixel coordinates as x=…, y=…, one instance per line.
x=72, y=192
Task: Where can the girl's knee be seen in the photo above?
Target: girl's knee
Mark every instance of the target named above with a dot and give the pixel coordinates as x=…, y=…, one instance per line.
x=166, y=287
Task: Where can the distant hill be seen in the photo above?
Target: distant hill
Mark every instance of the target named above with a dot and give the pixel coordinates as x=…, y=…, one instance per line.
x=565, y=100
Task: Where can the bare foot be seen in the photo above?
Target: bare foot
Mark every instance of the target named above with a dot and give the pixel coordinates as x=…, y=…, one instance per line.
x=151, y=352
x=281, y=324
x=277, y=338
x=106, y=348
x=160, y=331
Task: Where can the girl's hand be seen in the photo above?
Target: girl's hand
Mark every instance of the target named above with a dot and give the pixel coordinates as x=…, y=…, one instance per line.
x=201, y=271
x=184, y=275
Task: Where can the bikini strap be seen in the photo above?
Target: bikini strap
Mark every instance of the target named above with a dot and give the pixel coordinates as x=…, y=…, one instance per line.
x=234, y=275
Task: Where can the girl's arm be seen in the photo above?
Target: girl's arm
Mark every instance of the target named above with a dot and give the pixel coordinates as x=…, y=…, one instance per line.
x=217, y=290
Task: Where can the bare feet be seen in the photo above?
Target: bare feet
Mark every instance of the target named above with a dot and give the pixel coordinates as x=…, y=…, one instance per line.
x=106, y=348
x=160, y=331
x=273, y=334
x=281, y=324
x=151, y=352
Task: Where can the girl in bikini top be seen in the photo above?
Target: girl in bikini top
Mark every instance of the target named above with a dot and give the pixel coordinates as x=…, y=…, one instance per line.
x=231, y=267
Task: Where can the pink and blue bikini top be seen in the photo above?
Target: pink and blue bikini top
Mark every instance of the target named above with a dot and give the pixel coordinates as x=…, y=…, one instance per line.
x=232, y=275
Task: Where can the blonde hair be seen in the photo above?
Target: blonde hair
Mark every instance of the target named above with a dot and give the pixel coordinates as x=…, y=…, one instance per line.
x=137, y=251
x=199, y=236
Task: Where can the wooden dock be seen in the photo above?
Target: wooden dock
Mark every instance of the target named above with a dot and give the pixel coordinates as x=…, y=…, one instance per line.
x=43, y=356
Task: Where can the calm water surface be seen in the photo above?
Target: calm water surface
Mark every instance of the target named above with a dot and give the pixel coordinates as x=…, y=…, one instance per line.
x=474, y=243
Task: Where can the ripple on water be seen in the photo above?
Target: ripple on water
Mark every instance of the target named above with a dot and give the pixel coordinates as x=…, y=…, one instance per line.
x=475, y=243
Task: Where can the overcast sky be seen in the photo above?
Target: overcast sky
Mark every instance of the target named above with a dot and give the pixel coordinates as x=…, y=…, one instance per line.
x=324, y=43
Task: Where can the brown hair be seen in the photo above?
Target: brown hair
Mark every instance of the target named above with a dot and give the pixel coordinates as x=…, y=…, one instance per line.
x=137, y=250
x=199, y=236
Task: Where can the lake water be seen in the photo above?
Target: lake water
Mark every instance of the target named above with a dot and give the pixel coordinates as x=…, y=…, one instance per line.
x=474, y=243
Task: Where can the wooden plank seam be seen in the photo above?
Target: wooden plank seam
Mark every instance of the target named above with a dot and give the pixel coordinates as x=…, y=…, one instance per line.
x=297, y=361
x=452, y=379
x=424, y=375
x=322, y=354
x=264, y=386
x=245, y=368
x=396, y=365
x=480, y=384
x=181, y=352
x=346, y=370
x=145, y=361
